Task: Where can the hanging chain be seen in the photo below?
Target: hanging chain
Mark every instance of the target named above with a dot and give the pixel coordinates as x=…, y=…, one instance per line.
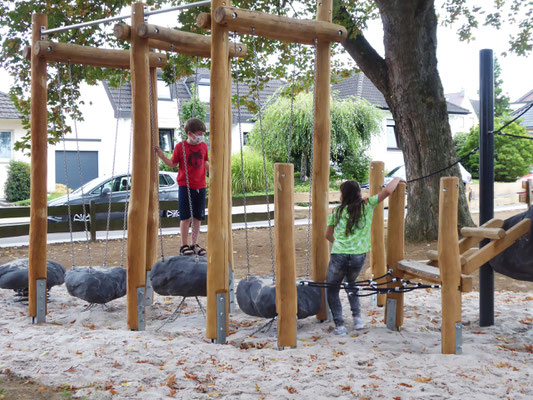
x=241, y=138
x=112, y=175
x=289, y=141
x=69, y=212
x=156, y=160
x=308, y=261
x=264, y=155
x=79, y=165
x=126, y=204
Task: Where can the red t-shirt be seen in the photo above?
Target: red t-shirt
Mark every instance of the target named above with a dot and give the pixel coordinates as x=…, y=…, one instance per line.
x=196, y=157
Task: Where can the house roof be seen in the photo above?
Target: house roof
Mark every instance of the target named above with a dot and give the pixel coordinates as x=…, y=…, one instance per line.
x=357, y=85
x=7, y=108
x=527, y=118
x=528, y=97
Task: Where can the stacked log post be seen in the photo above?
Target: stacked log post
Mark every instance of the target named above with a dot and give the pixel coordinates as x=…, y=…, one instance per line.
x=217, y=236
x=395, y=245
x=377, y=254
x=286, y=297
x=38, y=209
x=321, y=152
x=142, y=147
x=449, y=262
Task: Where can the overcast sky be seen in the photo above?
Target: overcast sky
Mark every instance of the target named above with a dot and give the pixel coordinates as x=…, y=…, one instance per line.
x=458, y=61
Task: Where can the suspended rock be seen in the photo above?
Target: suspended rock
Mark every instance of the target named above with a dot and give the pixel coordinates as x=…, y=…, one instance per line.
x=259, y=300
x=14, y=274
x=180, y=276
x=517, y=261
x=96, y=284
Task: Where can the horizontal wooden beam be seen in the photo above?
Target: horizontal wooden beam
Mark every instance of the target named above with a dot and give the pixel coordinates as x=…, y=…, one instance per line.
x=181, y=42
x=483, y=232
x=278, y=27
x=86, y=55
x=495, y=247
x=469, y=242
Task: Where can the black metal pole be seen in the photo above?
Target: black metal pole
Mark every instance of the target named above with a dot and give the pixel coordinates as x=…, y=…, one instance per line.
x=486, y=178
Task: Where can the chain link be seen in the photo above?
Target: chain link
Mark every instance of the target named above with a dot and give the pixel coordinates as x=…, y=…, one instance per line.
x=263, y=152
x=112, y=174
x=308, y=260
x=79, y=166
x=241, y=139
x=69, y=212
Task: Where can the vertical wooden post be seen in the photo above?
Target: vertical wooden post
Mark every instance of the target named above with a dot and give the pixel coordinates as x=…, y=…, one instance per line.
x=377, y=252
x=395, y=245
x=217, y=236
x=153, y=207
x=38, y=210
x=286, y=296
x=321, y=150
x=142, y=147
x=449, y=262
x=228, y=146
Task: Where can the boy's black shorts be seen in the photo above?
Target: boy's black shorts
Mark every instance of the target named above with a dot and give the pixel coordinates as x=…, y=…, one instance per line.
x=197, y=202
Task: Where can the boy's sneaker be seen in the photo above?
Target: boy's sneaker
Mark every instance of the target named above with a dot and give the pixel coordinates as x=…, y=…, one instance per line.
x=358, y=323
x=340, y=330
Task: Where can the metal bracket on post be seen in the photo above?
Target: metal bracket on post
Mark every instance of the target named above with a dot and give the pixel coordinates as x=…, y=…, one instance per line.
x=374, y=300
x=41, y=302
x=391, y=314
x=231, y=292
x=149, y=297
x=329, y=315
x=43, y=37
x=221, y=318
x=458, y=338
x=140, y=309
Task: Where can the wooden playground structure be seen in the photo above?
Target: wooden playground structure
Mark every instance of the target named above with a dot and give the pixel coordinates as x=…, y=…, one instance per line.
x=142, y=214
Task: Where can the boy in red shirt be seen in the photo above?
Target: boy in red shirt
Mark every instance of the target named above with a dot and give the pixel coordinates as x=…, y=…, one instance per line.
x=191, y=180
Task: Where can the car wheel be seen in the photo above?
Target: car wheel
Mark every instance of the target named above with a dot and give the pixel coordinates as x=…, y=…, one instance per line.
x=81, y=217
x=171, y=214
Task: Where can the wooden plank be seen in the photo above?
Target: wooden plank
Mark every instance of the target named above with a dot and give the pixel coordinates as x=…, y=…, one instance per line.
x=495, y=247
x=469, y=242
x=484, y=233
x=420, y=270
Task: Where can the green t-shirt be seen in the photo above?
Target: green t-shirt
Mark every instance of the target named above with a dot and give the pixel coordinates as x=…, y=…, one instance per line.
x=359, y=241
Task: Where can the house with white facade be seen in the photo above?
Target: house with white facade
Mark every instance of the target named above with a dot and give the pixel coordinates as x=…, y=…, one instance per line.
x=100, y=144
x=10, y=131
x=526, y=118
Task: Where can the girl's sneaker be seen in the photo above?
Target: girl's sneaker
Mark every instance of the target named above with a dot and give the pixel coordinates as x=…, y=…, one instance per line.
x=358, y=323
x=340, y=330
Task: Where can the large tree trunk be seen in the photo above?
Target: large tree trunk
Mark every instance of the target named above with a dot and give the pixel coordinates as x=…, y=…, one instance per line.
x=409, y=80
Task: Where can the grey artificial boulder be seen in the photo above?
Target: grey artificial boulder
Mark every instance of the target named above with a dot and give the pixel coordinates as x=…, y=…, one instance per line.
x=14, y=274
x=180, y=276
x=517, y=261
x=259, y=299
x=97, y=285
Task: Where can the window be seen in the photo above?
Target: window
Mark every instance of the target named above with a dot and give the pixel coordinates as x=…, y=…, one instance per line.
x=166, y=140
x=164, y=180
x=204, y=90
x=245, y=138
x=163, y=91
x=391, y=136
x=5, y=145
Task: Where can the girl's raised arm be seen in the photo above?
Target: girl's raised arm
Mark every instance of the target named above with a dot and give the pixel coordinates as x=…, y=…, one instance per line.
x=387, y=190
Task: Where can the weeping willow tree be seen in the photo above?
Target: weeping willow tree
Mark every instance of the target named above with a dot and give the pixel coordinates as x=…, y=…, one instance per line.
x=353, y=122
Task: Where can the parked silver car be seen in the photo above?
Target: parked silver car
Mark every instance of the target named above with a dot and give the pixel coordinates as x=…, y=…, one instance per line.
x=101, y=189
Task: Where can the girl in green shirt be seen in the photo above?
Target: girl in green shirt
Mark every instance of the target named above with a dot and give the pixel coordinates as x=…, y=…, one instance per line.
x=349, y=229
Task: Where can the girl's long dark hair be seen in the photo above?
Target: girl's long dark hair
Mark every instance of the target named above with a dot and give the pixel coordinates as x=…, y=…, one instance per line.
x=353, y=202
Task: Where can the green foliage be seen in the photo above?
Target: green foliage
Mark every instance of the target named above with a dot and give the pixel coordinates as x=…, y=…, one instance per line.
x=17, y=186
x=194, y=108
x=501, y=101
x=254, y=172
x=512, y=156
x=165, y=167
x=353, y=122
